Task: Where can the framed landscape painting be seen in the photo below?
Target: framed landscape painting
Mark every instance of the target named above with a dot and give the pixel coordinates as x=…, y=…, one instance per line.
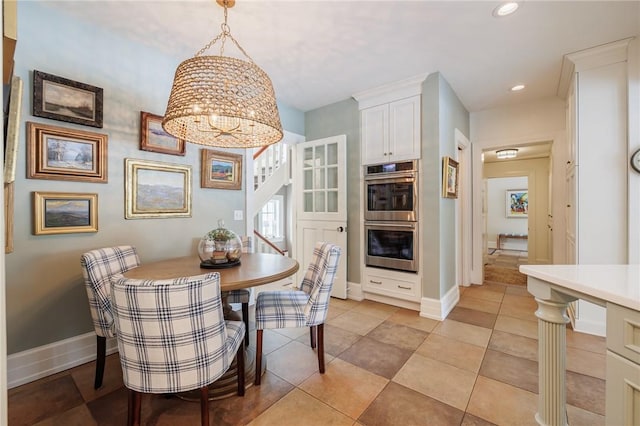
x=153, y=137
x=517, y=203
x=66, y=154
x=64, y=213
x=221, y=170
x=157, y=190
x=62, y=99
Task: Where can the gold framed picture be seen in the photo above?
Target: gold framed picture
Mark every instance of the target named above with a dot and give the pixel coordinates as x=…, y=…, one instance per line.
x=153, y=137
x=449, y=178
x=220, y=170
x=64, y=213
x=157, y=190
x=66, y=154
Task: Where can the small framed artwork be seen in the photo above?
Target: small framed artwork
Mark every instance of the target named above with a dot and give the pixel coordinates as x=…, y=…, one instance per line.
x=66, y=154
x=220, y=170
x=517, y=203
x=64, y=213
x=62, y=99
x=449, y=178
x=157, y=190
x=153, y=137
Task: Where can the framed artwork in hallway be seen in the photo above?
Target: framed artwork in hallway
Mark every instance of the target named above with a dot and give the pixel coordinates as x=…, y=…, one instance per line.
x=517, y=203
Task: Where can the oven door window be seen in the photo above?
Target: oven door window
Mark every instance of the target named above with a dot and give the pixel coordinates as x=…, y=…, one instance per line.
x=395, y=244
x=390, y=197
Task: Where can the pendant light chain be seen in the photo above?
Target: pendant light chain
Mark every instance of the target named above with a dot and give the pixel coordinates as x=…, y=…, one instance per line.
x=226, y=32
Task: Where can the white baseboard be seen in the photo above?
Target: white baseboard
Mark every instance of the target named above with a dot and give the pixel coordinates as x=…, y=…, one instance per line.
x=33, y=364
x=438, y=309
x=354, y=292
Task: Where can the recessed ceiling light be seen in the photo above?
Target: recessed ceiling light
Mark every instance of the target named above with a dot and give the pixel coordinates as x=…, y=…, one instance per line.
x=505, y=9
x=517, y=87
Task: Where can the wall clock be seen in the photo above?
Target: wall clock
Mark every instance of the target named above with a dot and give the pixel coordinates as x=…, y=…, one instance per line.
x=635, y=161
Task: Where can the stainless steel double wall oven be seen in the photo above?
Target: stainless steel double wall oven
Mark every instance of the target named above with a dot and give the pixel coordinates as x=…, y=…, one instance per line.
x=391, y=214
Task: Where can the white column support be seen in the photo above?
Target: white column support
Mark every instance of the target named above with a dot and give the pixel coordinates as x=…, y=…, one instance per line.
x=552, y=342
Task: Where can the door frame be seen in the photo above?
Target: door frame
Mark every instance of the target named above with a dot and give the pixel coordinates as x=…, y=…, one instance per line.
x=464, y=250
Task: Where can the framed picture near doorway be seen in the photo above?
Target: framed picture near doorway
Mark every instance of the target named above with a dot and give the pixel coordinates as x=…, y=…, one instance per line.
x=449, y=178
x=517, y=203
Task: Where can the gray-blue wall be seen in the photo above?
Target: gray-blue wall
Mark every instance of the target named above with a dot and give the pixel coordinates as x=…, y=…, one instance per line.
x=442, y=113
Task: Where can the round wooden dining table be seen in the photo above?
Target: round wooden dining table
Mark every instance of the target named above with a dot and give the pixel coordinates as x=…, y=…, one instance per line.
x=255, y=269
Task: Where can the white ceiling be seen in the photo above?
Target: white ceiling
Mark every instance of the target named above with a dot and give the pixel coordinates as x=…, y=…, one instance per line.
x=321, y=52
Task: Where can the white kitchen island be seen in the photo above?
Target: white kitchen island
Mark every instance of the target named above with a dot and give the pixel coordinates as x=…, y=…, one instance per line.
x=615, y=287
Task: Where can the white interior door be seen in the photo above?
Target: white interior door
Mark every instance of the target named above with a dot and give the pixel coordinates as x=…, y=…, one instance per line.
x=321, y=188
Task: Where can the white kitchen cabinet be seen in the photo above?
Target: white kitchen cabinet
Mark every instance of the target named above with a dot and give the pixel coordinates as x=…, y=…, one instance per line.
x=597, y=165
x=623, y=366
x=395, y=284
x=391, y=131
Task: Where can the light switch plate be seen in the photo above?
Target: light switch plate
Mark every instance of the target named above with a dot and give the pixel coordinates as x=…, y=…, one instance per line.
x=237, y=215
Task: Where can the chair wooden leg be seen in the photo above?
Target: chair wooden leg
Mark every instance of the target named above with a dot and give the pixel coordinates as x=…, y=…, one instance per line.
x=320, y=328
x=204, y=406
x=256, y=381
x=312, y=335
x=245, y=318
x=133, y=410
x=240, y=368
x=101, y=355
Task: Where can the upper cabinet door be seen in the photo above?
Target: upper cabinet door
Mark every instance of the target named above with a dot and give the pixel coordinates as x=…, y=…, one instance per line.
x=404, y=129
x=375, y=134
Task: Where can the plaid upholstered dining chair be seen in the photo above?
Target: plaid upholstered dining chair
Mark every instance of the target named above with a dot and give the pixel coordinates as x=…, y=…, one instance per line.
x=306, y=307
x=97, y=267
x=173, y=338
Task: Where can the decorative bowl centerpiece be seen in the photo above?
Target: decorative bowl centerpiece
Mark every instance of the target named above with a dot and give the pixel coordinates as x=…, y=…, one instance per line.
x=220, y=248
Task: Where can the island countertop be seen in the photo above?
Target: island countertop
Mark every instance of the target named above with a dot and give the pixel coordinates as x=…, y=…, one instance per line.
x=619, y=284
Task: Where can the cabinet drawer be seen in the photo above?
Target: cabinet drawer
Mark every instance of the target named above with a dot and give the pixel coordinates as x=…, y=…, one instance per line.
x=392, y=287
x=623, y=332
x=622, y=391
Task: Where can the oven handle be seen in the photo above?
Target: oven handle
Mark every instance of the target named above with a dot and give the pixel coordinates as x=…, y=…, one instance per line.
x=410, y=225
x=391, y=176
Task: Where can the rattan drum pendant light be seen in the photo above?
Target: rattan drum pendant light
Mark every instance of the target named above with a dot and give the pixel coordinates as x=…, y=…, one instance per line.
x=222, y=101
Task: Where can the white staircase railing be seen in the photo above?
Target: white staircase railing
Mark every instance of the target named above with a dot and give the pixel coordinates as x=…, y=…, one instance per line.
x=270, y=172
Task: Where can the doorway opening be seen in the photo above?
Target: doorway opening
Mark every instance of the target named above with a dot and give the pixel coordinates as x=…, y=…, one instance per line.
x=523, y=205
x=507, y=226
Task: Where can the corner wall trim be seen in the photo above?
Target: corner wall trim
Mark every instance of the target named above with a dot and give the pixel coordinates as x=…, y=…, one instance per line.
x=33, y=364
x=438, y=309
x=354, y=292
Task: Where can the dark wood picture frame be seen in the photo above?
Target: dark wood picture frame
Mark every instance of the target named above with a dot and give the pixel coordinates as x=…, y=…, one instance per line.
x=153, y=137
x=221, y=170
x=61, y=99
x=64, y=213
x=59, y=153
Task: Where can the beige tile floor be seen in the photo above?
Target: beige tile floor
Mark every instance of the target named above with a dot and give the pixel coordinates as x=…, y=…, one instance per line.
x=385, y=366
